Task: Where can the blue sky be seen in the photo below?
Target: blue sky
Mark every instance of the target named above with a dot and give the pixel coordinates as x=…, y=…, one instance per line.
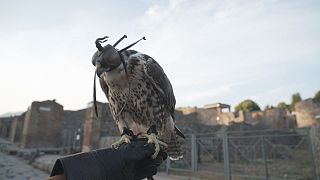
x=211, y=50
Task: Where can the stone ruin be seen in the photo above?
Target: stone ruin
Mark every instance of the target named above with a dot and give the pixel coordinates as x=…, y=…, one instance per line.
x=42, y=125
x=214, y=114
x=46, y=124
x=307, y=113
x=95, y=128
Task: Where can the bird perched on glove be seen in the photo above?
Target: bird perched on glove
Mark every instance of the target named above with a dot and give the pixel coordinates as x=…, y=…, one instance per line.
x=140, y=96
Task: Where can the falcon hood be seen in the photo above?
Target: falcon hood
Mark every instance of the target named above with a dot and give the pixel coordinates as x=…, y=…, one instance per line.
x=106, y=59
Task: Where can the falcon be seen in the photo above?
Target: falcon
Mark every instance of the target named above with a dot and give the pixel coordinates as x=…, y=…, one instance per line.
x=140, y=96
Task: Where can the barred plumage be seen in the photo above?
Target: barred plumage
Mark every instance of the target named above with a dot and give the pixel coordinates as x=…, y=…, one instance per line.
x=142, y=97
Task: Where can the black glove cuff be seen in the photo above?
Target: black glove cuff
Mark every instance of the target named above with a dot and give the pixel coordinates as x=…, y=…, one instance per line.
x=130, y=161
x=79, y=166
x=104, y=164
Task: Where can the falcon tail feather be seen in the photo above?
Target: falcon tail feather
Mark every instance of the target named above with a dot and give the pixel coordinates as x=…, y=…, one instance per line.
x=174, y=147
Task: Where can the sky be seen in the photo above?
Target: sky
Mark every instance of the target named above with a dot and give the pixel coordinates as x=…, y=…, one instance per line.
x=211, y=50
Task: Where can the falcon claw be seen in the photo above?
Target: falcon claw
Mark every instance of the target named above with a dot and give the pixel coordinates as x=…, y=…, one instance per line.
x=152, y=139
x=124, y=139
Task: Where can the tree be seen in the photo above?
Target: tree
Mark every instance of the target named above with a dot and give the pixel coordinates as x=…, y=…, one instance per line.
x=316, y=97
x=247, y=106
x=268, y=107
x=294, y=99
x=283, y=105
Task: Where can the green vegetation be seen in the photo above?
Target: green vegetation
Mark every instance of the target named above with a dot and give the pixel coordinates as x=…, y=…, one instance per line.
x=247, y=106
x=283, y=105
x=316, y=97
x=294, y=99
x=268, y=107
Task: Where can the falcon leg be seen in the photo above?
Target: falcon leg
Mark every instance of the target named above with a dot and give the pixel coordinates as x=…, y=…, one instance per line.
x=125, y=138
x=153, y=139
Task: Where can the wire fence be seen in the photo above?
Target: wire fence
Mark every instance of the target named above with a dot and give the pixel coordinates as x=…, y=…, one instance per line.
x=268, y=154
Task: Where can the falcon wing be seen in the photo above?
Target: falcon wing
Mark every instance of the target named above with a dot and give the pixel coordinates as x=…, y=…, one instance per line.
x=156, y=74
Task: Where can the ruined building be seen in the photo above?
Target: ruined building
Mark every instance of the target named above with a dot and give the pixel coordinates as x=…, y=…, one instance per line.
x=5, y=124
x=307, y=113
x=220, y=114
x=95, y=128
x=42, y=125
x=72, y=132
x=46, y=124
x=16, y=127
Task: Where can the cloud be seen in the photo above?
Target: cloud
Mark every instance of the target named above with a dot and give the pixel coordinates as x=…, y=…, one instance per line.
x=202, y=96
x=206, y=45
x=210, y=50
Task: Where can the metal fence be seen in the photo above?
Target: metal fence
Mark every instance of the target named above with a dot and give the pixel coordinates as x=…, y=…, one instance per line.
x=268, y=154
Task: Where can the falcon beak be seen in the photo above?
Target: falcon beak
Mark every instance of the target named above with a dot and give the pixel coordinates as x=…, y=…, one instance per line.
x=100, y=69
x=98, y=65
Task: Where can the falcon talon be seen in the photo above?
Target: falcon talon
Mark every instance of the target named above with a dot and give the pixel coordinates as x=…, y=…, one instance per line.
x=165, y=145
x=152, y=139
x=124, y=139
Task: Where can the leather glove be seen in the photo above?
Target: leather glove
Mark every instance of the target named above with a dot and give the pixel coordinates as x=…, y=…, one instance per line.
x=129, y=162
x=148, y=167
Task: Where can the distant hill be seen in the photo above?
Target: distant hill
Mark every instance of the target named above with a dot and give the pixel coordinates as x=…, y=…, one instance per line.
x=8, y=114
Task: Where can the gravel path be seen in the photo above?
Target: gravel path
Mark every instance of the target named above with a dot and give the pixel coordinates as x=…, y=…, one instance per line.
x=12, y=167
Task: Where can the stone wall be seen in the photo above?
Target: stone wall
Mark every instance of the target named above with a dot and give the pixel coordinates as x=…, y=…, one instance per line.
x=207, y=116
x=315, y=139
x=191, y=124
x=45, y=124
x=16, y=128
x=307, y=112
x=5, y=124
x=72, y=132
x=13, y=127
x=252, y=117
x=278, y=118
x=97, y=127
x=42, y=125
x=187, y=110
x=229, y=117
x=82, y=129
x=108, y=125
x=91, y=130
x=274, y=118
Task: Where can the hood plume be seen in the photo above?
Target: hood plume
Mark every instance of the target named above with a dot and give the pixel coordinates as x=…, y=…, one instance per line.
x=100, y=40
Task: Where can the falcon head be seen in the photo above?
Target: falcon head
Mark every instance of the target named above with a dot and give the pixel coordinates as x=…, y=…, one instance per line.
x=108, y=57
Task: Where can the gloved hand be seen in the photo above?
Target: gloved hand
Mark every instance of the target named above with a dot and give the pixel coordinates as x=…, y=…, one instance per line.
x=137, y=156
x=148, y=167
x=129, y=162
